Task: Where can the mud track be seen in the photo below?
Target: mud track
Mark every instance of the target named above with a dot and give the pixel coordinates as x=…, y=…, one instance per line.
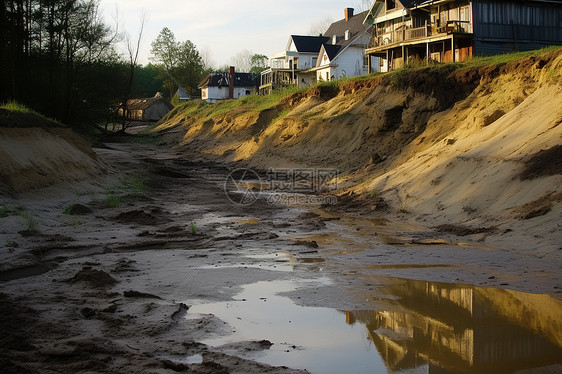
x=107, y=290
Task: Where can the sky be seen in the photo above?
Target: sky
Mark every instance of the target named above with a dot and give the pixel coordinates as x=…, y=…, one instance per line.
x=222, y=28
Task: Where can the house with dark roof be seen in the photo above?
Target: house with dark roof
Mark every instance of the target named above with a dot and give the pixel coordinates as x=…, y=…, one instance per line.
x=147, y=109
x=343, y=55
x=228, y=85
x=455, y=30
x=287, y=68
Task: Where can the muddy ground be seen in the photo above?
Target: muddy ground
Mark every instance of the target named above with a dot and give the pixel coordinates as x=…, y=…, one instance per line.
x=99, y=276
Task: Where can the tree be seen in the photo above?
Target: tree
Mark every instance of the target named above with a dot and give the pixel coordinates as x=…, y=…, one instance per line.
x=165, y=49
x=133, y=49
x=180, y=62
x=259, y=63
x=242, y=61
x=320, y=27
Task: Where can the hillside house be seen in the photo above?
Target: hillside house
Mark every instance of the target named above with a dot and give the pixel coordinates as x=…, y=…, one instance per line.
x=231, y=85
x=344, y=53
x=148, y=109
x=454, y=30
x=291, y=67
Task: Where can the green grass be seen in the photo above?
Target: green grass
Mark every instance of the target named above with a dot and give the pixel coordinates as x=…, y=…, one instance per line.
x=14, y=106
x=113, y=200
x=193, y=228
x=14, y=114
x=135, y=185
x=8, y=210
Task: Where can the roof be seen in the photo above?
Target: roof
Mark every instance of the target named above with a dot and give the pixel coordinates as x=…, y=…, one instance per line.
x=354, y=25
x=222, y=80
x=182, y=94
x=310, y=44
x=142, y=104
x=331, y=50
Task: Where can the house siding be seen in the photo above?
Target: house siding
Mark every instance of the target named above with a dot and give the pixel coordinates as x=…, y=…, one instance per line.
x=508, y=26
x=213, y=93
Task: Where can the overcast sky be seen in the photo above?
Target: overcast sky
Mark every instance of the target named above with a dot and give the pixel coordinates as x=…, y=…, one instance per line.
x=221, y=28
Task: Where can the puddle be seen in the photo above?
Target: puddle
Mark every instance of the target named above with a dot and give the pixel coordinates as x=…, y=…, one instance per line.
x=408, y=266
x=425, y=327
x=250, y=221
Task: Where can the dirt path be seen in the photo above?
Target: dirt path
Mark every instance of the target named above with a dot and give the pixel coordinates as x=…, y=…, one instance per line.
x=107, y=288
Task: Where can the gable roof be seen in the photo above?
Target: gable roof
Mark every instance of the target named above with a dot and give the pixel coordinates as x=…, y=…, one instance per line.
x=331, y=50
x=142, y=104
x=223, y=79
x=310, y=44
x=182, y=94
x=354, y=25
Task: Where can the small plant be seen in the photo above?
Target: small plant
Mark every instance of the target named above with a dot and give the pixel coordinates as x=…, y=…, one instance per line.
x=193, y=229
x=135, y=185
x=113, y=200
x=7, y=210
x=31, y=224
x=8, y=241
x=76, y=222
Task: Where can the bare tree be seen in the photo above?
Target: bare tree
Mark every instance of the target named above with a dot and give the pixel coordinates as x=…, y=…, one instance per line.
x=242, y=61
x=133, y=49
x=207, y=58
x=363, y=5
x=320, y=27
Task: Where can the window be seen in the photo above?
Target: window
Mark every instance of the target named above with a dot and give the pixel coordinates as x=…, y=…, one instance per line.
x=390, y=4
x=327, y=76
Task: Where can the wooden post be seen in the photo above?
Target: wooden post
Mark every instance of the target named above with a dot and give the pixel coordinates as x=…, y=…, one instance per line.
x=453, y=46
x=387, y=62
x=427, y=53
x=368, y=63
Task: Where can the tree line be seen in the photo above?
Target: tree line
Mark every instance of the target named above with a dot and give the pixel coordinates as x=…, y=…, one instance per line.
x=61, y=59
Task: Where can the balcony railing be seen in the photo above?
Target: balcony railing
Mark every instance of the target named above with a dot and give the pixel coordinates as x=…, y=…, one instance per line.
x=406, y=34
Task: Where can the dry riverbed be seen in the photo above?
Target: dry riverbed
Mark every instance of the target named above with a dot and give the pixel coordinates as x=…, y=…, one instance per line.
x=152, y=268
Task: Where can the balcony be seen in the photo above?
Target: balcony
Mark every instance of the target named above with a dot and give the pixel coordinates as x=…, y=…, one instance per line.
x=406, y=34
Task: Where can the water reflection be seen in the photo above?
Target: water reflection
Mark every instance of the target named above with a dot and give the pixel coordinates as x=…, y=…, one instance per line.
x=456, y=328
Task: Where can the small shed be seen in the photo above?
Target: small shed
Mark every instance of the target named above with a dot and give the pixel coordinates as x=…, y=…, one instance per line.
x=148, y=109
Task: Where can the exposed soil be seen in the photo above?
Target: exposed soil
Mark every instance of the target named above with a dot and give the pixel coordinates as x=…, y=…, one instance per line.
x=115, y=284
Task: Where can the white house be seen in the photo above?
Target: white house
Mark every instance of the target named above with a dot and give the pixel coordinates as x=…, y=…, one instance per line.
x=290, y=66
x=231, y=85
x=344, y=53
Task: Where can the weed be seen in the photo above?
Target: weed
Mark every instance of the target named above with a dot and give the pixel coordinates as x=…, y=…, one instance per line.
x=374, y=194
x=8, y=241
x=113, y=200
x=8, y=210
x=31, y=224
x=76, y=222
x=135, y=185
x=193, y=228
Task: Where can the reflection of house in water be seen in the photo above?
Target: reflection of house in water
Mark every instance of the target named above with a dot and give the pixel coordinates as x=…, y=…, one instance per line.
x=458, y=328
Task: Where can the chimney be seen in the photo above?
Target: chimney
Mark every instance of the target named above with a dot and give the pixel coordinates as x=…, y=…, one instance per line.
x=348, y=13
x=231, y=83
